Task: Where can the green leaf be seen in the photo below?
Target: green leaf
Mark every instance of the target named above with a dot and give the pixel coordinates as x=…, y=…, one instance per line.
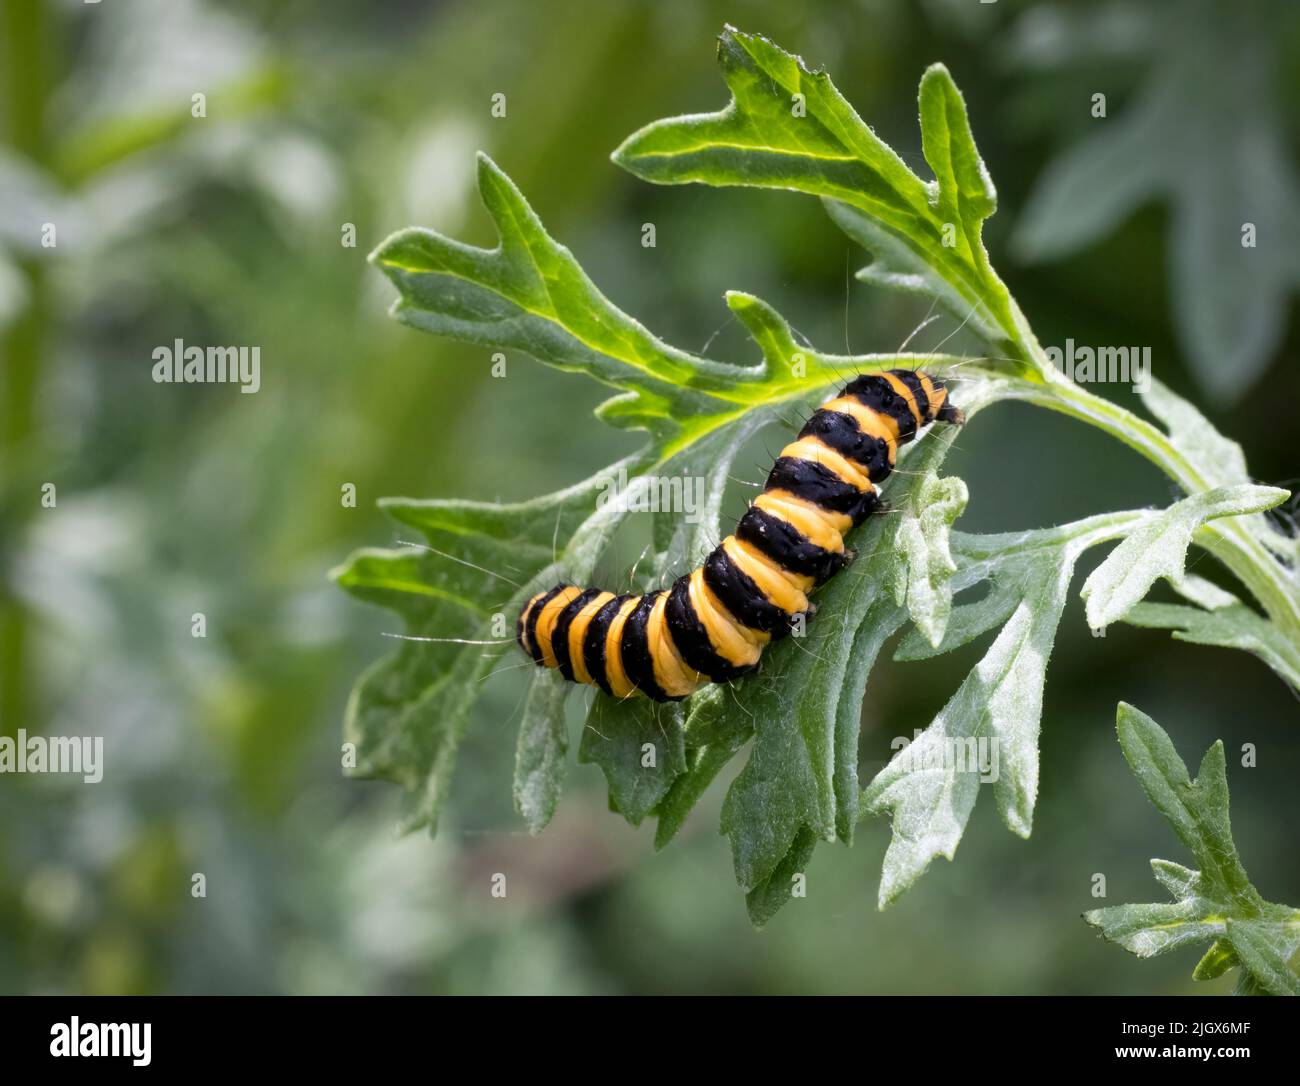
x=640, y=747
x=929, y=788
x=921, y=579
x=1197, y=810
x=988, y=731
x=765, y=900
x=540, y=757
x=714, y=735
x=1159, y=548
x=1217, y=903
x=530, y=294
x=1265, y=948
x=1216, y=961
x=788, y=127
x=408, y=713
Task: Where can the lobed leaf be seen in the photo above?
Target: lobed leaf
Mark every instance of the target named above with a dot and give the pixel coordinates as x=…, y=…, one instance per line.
x=787, y=127
x=921, y=579
x=1216, y=903
x=408, y=712
x=988, y=730
x=1159, y=548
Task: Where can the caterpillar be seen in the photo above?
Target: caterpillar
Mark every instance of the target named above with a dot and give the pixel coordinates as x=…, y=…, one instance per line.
x=712, y=624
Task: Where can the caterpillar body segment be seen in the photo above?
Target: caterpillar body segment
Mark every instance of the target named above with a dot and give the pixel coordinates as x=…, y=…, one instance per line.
x=712, y=624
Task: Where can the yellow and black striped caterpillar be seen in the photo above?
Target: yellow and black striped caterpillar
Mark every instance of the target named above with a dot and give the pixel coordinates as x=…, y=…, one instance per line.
x=712, y=624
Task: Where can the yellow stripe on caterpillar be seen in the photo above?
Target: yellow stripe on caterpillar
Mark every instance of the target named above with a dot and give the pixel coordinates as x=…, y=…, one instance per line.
x=547, y=618
x=524, y=640
x=672, y=674
x=615, y=674
x=820, y=526
x=735, y=643
x=817, y=451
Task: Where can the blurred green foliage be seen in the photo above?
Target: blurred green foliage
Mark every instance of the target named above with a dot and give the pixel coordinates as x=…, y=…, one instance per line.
x=222, y=753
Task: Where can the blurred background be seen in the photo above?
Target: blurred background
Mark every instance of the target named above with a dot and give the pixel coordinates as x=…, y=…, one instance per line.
x=222, y=753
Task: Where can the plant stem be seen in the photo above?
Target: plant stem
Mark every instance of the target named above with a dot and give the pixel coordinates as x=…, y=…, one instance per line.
x=24, y=62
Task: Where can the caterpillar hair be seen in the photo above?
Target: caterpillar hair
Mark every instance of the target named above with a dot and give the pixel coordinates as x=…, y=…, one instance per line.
x=713, y=623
